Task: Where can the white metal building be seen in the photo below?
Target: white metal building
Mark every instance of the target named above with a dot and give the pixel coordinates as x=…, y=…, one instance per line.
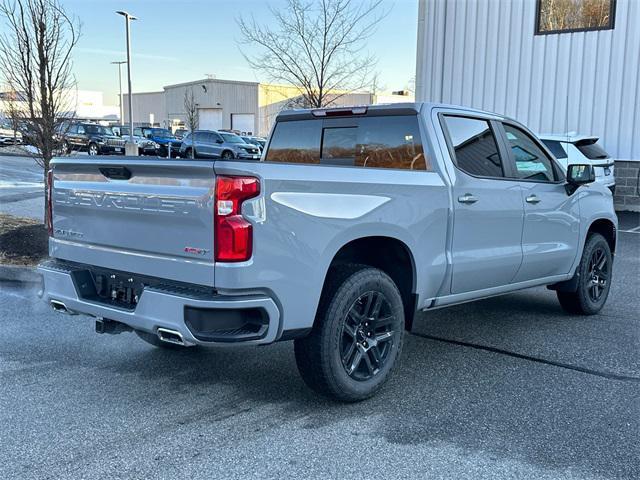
x=496, y=55
x=221, y=104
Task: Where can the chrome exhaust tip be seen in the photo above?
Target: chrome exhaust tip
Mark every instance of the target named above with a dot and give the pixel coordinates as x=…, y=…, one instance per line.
x=59, y=306
x=171, y=336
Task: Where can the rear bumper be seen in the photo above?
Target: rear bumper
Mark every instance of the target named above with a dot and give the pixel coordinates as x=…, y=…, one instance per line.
x=170, y=310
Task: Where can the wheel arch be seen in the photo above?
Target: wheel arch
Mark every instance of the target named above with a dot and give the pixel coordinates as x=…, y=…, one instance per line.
x=607, y=229
x=388, y=254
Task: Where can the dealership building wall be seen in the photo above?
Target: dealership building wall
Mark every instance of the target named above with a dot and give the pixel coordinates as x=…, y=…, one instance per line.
x=221, y=104
x=486, y=55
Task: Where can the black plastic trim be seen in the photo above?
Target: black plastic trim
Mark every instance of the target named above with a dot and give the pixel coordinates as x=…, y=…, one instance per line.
x=226, y=325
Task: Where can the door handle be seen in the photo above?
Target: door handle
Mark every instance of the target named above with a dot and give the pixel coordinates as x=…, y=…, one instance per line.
x=532, y=199
x=467, y=198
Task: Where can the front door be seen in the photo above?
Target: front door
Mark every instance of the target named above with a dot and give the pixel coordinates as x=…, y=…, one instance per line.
x=552, y=218
x=488, y=210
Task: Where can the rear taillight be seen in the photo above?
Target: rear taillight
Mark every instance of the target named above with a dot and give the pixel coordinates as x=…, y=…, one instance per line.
x=233, y=233
x=50, y=202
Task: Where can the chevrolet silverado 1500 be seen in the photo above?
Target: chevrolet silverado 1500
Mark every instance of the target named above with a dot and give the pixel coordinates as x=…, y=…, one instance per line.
x=353, y=220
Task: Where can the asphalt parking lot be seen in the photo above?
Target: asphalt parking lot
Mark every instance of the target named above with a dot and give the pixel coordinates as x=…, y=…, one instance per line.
x=508, y=387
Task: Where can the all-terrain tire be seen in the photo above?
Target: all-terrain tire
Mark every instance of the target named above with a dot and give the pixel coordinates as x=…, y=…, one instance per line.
x=583, y=301
x=343, y=306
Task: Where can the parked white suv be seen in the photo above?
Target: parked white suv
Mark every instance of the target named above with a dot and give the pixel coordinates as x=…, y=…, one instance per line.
x=582, y=149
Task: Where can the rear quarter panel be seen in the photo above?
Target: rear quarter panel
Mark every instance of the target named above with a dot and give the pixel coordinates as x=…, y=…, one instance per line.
x=306, y=213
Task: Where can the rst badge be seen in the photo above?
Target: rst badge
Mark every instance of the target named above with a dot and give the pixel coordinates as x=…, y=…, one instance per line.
x=196, y=251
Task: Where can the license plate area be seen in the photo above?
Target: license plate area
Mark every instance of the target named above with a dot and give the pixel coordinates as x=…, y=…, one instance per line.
x=123, y=289
x=110, y=288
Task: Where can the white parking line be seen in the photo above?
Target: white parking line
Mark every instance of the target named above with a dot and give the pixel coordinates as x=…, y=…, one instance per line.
x=5, y=184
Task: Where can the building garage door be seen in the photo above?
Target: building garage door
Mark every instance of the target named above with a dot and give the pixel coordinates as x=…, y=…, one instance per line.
x=245, y=122
x=209, y=118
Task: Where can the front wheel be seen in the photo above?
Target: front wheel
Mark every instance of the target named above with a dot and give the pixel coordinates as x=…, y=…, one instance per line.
x=227, y=155
x=357, y=337
x=594, y=278
x=93, y=149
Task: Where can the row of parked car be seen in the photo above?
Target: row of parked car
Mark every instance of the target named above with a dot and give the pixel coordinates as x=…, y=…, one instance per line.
x=98, y=139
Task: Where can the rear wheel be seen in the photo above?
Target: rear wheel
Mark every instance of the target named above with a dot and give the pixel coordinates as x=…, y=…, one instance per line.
x=594, y=278
x=357, y=337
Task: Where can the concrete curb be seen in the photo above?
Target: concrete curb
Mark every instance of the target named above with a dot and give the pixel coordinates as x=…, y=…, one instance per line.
x=19, y=274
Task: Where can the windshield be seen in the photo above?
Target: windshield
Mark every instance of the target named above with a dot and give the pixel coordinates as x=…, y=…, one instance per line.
x=98, y=130
x=161, y=132
x=231, y=138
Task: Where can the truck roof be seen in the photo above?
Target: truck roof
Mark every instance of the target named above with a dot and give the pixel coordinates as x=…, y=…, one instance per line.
x=405, y=108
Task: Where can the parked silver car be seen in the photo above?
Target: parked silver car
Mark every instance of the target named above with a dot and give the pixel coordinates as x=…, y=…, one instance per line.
x=214, y=144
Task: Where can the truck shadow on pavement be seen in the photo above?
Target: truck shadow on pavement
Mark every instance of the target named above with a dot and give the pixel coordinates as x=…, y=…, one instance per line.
x=442, y=397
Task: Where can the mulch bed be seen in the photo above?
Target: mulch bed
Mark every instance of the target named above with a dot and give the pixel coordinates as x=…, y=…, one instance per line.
x=23, y=241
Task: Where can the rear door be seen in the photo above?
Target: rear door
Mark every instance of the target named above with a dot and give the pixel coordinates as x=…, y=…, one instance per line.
x=488, y=210
x=551, y=221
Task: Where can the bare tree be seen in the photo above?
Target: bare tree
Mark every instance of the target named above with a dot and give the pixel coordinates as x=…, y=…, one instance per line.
x=318, y=46
x=191, y=109
x=35, y=62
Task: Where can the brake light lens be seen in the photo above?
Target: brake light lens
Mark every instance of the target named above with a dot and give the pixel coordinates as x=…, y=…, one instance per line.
x=233, y=235
x=50, y=202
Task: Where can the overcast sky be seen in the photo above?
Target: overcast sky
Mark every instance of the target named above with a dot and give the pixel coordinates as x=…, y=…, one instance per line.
x=182, y=40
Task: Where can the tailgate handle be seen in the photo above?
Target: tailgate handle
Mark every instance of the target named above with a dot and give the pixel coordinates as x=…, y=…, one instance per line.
x=116, y=173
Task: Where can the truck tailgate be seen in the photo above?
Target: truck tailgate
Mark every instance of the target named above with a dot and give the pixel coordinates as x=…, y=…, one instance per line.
x=152, y=217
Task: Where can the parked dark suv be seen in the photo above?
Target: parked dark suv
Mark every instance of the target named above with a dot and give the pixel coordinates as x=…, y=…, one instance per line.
x=212, y=144
x=91, y=138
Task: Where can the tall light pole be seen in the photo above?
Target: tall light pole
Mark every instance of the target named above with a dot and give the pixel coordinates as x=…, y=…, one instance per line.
x=120, y=83
x=131, y=147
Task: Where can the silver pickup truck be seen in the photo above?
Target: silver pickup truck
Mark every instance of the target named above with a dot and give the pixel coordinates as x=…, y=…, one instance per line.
x=353, y=220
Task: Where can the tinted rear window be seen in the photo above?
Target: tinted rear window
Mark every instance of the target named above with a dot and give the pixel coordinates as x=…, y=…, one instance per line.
x=376, y=142
x=295, y=142
x=475, y=147
x=556, y=148
x=591, y=150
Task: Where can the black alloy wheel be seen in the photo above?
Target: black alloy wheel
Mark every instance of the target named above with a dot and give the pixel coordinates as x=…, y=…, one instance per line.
x=598, y=274
x=357, y=335
x=592, y=278
x=367, y=336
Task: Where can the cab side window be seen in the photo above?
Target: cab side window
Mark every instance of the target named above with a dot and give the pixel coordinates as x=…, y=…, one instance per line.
x=531, y=162
x=475, y=147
